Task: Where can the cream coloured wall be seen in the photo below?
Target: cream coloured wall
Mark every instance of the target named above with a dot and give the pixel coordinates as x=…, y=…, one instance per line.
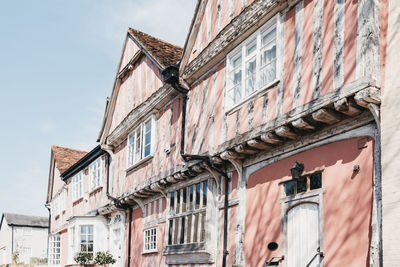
x=390, y=126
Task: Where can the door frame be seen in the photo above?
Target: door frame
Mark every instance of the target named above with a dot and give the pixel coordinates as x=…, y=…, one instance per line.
x=287, y=203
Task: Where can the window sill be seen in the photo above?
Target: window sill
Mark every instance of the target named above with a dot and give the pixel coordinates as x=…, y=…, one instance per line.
x=150, y=251
x=252, y=96
x=96, y=189
x=188, y=253
x=140, y=162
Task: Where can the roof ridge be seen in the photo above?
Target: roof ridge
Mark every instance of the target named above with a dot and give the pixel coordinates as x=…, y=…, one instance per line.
x=177, y=46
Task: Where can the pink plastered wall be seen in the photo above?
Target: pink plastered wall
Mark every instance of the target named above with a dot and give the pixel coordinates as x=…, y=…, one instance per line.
x=229, y=123
x=140, y=222
x=347, y=203
x=135, y=87
x=124, y=178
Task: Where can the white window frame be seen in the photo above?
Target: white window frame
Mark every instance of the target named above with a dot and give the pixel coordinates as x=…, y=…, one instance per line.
x=150, y=240
x=86, y=243
x=55, y=250
x=240, y=50
x=77, y=185
x=95, y=173
x=133, y=158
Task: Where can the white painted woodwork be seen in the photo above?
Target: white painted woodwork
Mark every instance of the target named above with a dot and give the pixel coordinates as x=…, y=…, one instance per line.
x=302, y=234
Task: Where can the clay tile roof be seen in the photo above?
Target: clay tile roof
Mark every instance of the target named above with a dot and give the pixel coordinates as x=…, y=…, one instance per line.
x=165, y=53
x=66, y=157
x=26, y=220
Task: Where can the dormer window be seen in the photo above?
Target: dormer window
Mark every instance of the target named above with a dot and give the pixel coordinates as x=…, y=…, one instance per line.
x=252, y=66
x=140, y=142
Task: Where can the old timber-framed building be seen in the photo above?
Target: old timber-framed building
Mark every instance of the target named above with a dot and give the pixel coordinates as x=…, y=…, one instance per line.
x=257, y=142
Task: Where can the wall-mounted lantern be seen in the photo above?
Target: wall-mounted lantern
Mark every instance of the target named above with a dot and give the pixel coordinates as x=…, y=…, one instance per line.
x=297, y=170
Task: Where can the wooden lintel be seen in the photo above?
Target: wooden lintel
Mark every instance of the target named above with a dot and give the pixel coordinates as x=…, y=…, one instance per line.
x=285, y=131
x=347, y=106
x=245, y=150
x=326, y=116
x=230, y=155
x=271, y=138
x=258, y=144
x=302, y=124
x=368, y=95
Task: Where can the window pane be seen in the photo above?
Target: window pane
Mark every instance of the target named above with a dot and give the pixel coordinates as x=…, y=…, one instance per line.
x=250, y=48
x=250, y=76
x=176, y=231
x=196, y=226
x=171, y=202
x=182, y=235
x=170, y=232
x=316, y=181
x=178, y=200
x=184, y=200
x=191, y=197
x=197, y=196
x=205, y=186
x=138, y=148
x=302, y=185
x=189, y=229
x=147, y=139
x=203, y=229
x=289, y=188
x=268, y=37
x=237, y=61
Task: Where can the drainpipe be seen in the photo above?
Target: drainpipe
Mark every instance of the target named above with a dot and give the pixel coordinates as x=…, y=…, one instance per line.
x=119, y=205
x=47, y=205
x=171, y=76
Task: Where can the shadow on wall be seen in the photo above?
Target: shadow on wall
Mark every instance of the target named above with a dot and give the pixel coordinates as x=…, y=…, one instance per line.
x=347, y=202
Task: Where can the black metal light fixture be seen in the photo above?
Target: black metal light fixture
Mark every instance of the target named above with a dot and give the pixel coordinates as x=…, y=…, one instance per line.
x=297, y=170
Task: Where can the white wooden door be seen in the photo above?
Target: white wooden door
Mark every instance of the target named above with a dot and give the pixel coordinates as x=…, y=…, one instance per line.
x=303, y=235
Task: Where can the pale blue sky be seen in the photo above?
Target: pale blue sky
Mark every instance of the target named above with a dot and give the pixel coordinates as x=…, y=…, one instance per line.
x=58, y=60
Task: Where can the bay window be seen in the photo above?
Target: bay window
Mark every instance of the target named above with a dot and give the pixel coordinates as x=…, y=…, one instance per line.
x=252, y=66
x=140, y=142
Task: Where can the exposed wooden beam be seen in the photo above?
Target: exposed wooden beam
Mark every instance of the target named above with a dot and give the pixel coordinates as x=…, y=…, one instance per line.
x=326, y=116
x=302, y=124
x=347, y=106
x=197, y=168
x=368, y=95
x=231, y=155
x=271, y=138
x=258, y=144
x=245, y=150
x=285, y=131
